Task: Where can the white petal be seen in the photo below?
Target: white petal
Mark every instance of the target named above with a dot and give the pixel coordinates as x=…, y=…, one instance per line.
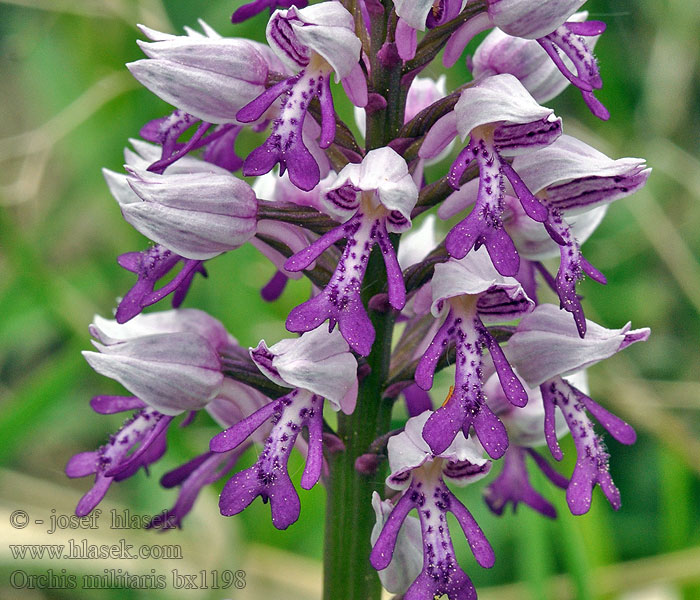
x=531, y=18
x=568, y=158
x=318, y=361
x=497, y=99
x=414, y=12
x=547, y=344
x=171, y=372
x=472, y=275
x=404, y=456
x=109, y=332
x=386, y=172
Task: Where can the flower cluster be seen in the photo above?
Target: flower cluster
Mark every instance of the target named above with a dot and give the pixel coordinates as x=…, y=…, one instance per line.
x=340, y=212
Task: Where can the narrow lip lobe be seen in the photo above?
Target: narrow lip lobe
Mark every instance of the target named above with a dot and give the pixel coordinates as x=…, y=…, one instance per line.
x=281, y=32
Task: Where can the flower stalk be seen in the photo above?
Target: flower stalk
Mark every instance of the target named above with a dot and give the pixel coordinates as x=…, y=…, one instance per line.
x=348, y=573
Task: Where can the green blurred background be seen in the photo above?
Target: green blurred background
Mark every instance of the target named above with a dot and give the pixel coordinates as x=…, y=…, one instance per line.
x=68, y=108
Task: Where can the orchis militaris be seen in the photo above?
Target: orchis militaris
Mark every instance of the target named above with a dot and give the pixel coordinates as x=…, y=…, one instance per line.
x=501, y=119
x=340, y=214
x=420, y=475
x=316, y=365
x=377, y=196
x=315, y=42
x=576, y=183
x=553, y=25
x=471, y=291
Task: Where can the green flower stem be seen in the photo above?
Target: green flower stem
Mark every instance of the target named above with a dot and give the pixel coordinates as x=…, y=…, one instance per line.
x=348, y=574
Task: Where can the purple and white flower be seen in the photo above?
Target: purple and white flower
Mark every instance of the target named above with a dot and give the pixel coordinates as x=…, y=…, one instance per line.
x=421, y=477
x=525, y=432
x=576, y=183
x=170, y=361
x=525, y=59
x=501, y=119
x=471, y=291
x=145, y=433
x=545, y=347
x=207, y=76
x=372, y=199
x=312, y=42
x=234, y=403
x=197, y=215
x=317, y=365
x=555, y=28
x=151, y=266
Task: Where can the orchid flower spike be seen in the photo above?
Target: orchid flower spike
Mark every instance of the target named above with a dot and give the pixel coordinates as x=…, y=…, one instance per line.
x=372, y=199
x=420, y=476
x=501, y=119
x=313, y=42
x=470, y=290
x=317, y=365
x=545, y=347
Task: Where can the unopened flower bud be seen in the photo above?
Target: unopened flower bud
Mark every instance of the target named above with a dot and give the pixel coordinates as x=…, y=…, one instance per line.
x=196, y=215
x=210, y=78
